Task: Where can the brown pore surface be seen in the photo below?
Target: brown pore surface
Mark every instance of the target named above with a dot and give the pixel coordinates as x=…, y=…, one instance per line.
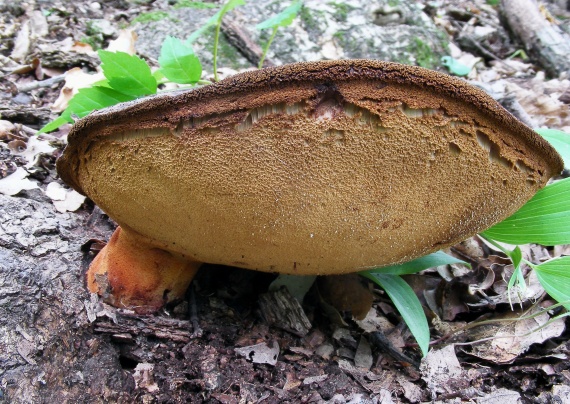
x=311, y=168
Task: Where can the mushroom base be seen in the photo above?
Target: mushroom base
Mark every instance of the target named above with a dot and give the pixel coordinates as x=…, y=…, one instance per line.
x=131, y=272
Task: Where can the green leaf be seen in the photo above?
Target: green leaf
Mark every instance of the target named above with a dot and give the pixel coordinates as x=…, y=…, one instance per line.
x=545, y=219
x=407, y=304
x=419, y=264
x=213, y=20
x=85, y=101
x=516, y=257
x=92, y=98
x=159, y=77
x=128, y=74
x=229, y=6
x=559, y=140
x=53, y=125
x=178, y=62
x=517, y=278
x=284, y=18
x=554, y=276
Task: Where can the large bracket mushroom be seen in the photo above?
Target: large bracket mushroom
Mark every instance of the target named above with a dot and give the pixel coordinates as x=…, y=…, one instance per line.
x=311, y=168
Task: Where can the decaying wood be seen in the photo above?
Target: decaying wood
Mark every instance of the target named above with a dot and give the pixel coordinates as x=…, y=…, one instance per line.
x=25, y=114
x=126, y=327
x=542, y=39
x=280, y=309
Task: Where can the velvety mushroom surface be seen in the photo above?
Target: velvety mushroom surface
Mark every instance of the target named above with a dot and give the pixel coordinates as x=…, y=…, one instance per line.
x=311, y=168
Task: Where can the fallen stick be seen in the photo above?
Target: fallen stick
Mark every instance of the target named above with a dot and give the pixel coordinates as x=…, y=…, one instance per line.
x=542, y=39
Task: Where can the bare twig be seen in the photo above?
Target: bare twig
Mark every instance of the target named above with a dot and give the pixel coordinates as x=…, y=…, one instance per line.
x=24, y=88
x=379, y=340
x=193, y=308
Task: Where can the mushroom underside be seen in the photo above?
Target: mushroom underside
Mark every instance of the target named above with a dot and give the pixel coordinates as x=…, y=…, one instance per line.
x=312, y=178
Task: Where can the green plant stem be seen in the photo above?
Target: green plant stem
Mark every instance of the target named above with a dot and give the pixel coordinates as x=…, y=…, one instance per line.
x=493, y=242
x=216, y=40
x=260, y=65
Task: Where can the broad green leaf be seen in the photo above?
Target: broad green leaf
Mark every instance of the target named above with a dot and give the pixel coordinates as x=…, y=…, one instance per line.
x=559, y=140
x=407, y=304
x=128, y=74
x=545, y=219
x=92, y=98
x=213, y=20
x=178, y=62
x=284, y=18
x=419, y=264
x=554, y=276
x=85, y=101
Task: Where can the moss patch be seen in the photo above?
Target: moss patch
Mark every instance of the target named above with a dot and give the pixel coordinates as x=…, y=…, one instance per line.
x=194, y=4
x=423, y=53
x=341, y=10
x=152, y=16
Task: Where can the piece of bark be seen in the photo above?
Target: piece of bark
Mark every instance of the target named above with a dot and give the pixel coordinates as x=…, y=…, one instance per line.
x=241, y=39
x=282, y=310
x=28, y=115
x=542, y=39
x=133, y=325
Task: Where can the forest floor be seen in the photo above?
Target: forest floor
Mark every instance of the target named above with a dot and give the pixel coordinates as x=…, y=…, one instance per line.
x=58, y=343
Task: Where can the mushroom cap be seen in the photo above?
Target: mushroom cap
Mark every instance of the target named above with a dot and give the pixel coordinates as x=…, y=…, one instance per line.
x=310, y=168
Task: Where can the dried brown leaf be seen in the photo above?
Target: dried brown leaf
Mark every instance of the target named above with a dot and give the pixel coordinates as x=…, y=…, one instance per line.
x=509, y=340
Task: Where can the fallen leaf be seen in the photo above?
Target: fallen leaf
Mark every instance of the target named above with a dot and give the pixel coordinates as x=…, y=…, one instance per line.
x=34, y=148
x=21, y=43
x=144, y=378
x=373, y=322
x=125, y=42
x=73, y=201
x=16, y=182
x=500, y=396
x=442, y=372
x=7, y=129
x=82, y=47
x=55, y=191
x=531, y=293
x=64, y=200
x=38, y=25
x=314, y=379
x=510, y=339
x=560, y=250
x=411, y=391
x=75, y=79
x=260, y=353
x=363, y=356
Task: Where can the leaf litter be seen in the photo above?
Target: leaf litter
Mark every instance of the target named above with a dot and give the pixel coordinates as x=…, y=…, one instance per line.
x=463, y=294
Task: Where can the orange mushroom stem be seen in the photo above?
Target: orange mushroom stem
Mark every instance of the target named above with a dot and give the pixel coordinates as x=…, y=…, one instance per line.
x=132, y=272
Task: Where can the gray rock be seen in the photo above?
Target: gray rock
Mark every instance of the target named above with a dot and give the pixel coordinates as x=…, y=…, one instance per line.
x=391, y=30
